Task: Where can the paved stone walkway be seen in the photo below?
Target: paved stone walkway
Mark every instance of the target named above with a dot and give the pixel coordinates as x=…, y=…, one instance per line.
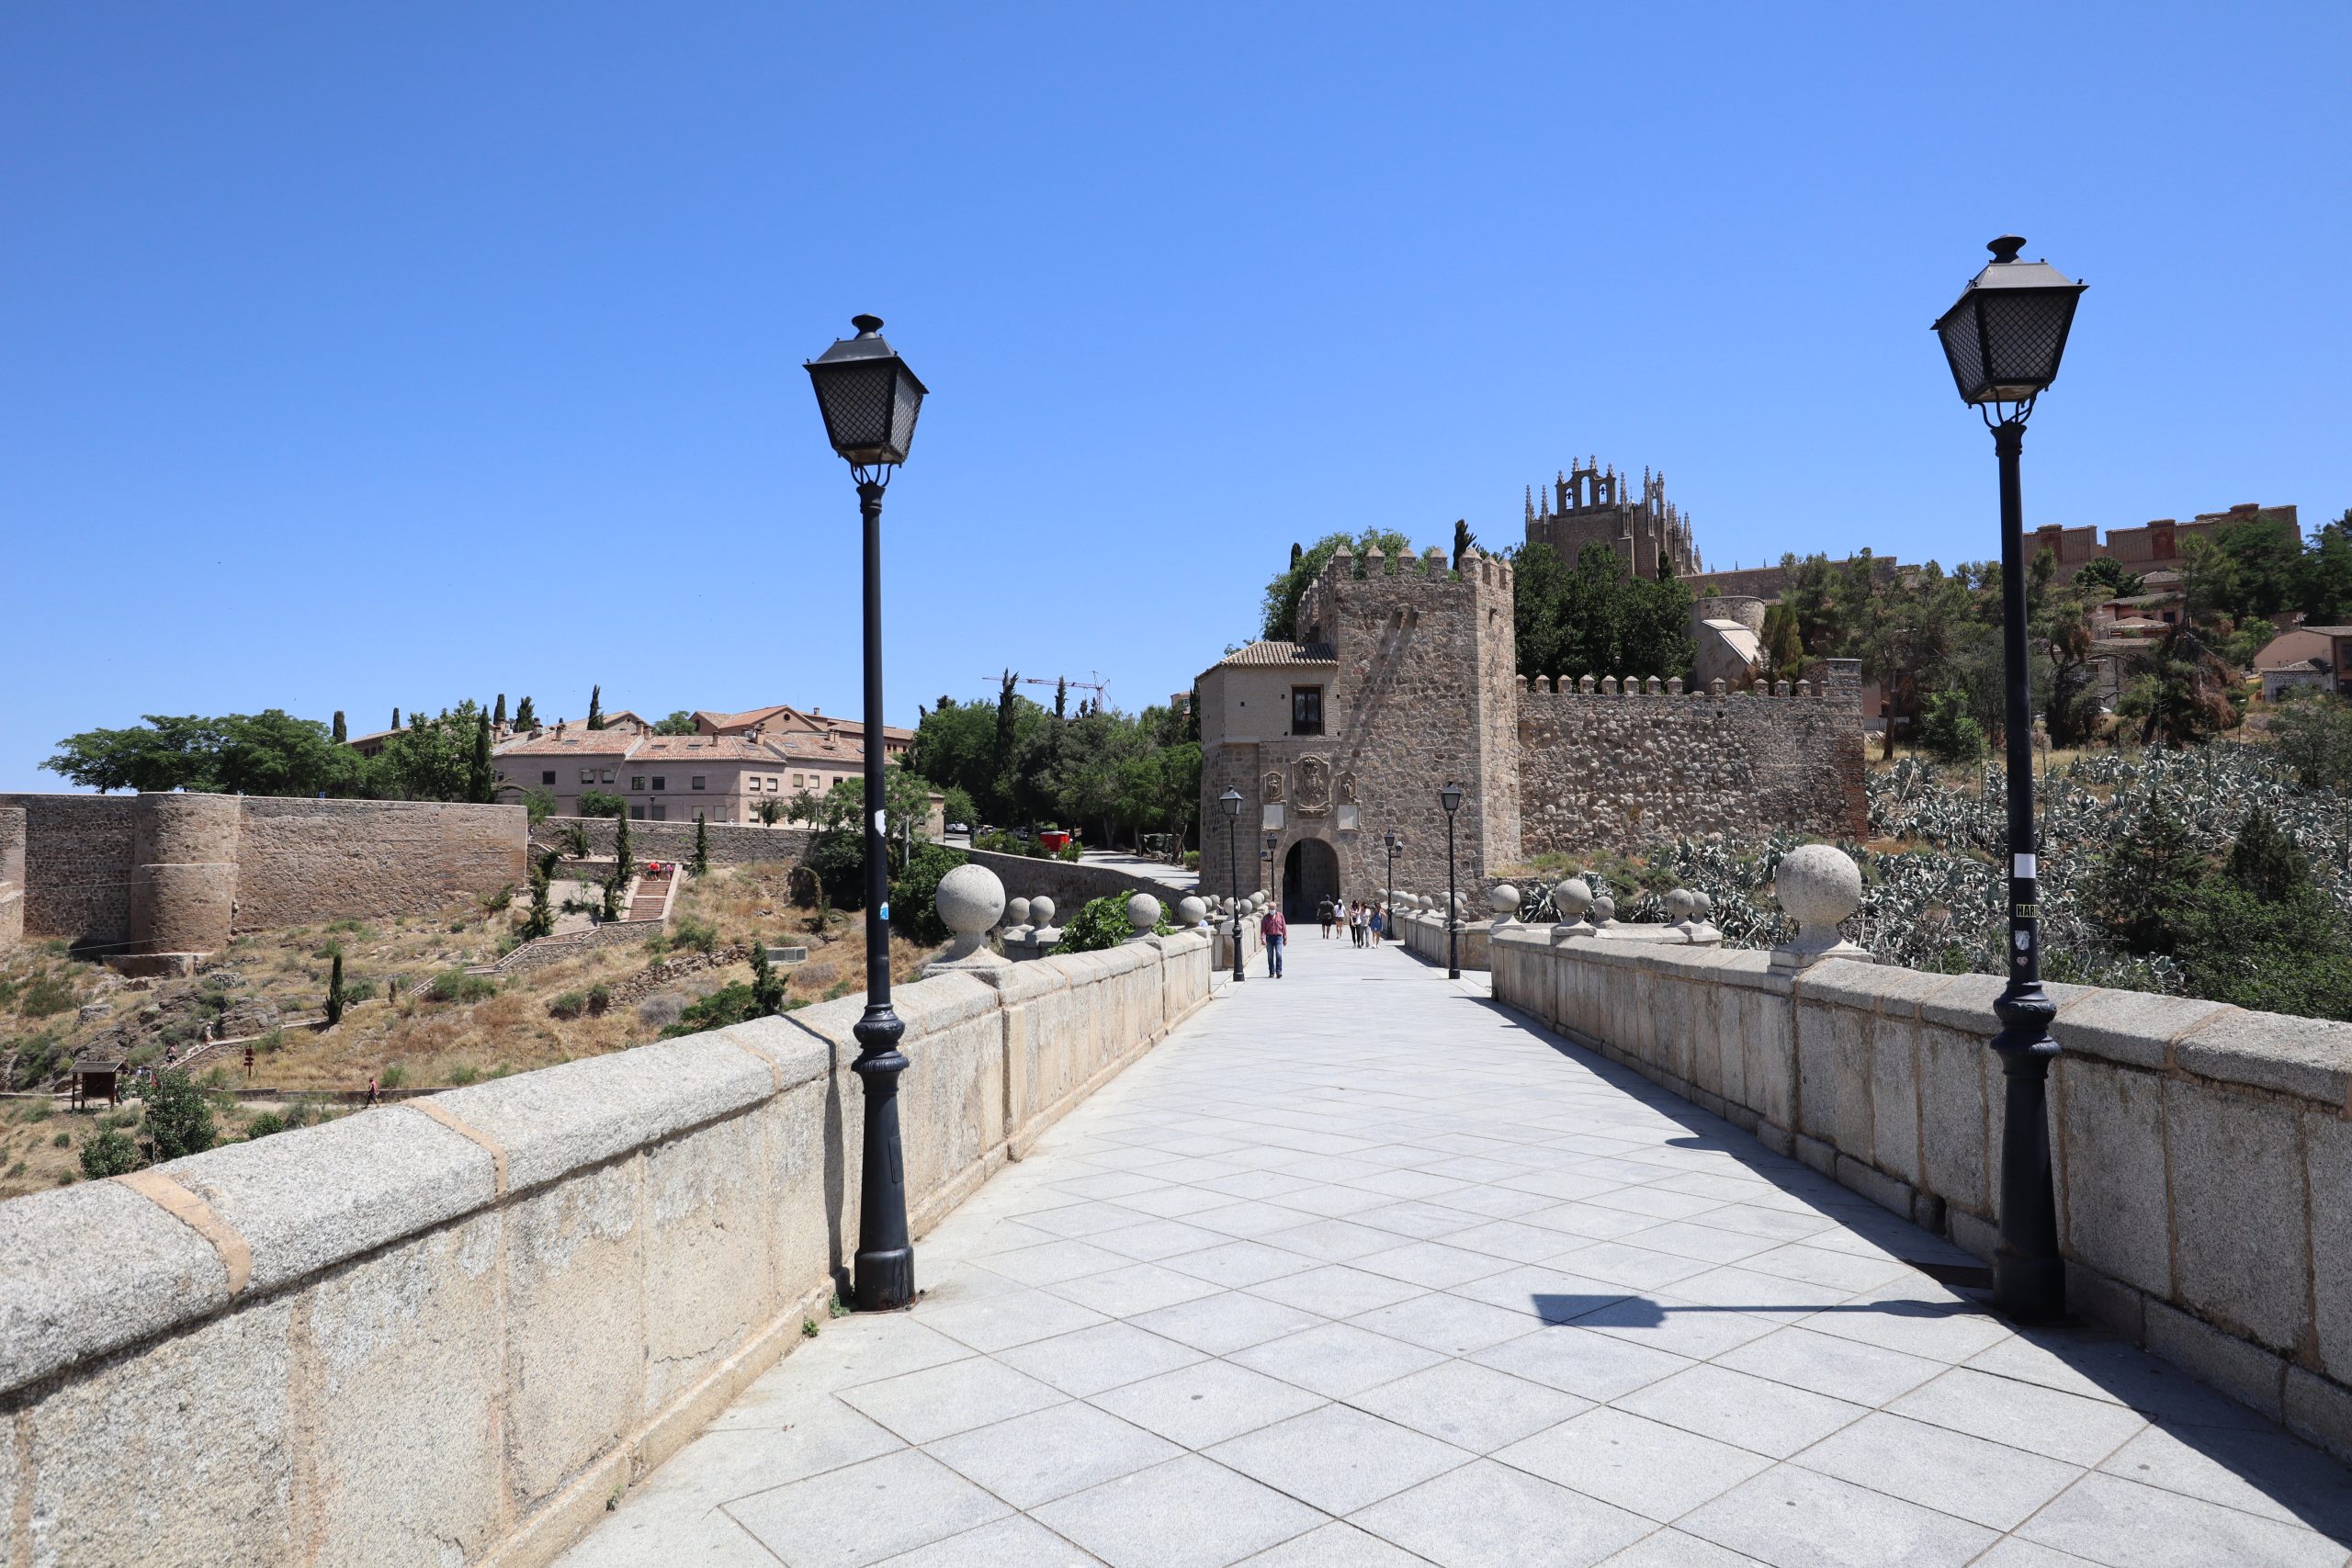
x=1359, y=1271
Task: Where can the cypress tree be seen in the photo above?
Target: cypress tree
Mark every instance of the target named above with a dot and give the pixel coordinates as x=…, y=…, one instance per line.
x=524, y=717
x=595, y=707
x=499, y=718
x=340, y=734
x=1061, y=697
x=334, y=993
x=702, y=845
x=767, y=985
x=396, y=719
x=485, y=780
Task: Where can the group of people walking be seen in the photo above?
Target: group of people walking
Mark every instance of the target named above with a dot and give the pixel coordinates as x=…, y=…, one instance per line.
x=1363, y=922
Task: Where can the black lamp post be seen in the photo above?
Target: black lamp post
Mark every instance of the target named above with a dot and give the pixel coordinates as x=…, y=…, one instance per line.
x=1450, y=797
x=1273, y=874
x=1231, y=801
x=2004, y=338
x=1388, y=908
x=869, y=399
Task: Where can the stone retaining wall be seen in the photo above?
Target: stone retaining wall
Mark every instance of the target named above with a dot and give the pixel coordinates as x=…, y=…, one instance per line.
x=731, y=843
x=541, y=952
x=2203, y=1152
x=12, y=875
x=1069, y=883
x=452, y=1329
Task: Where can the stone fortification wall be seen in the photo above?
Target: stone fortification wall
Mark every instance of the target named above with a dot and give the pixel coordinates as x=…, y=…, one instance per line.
x=731, y=843
x=181, y=873
x=78, y=854
x=1613, y=770
x=12, y=875
x=304, y=861
x=456, y=1327
x=2203, y=1152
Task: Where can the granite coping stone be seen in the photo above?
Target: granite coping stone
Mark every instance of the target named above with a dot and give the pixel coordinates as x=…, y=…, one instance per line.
x=2309, y=1058
x=1881, y=990
x=2134, y=1028
x=159, y=1272
x=563, y=1119
x=311, y=1197
x=1966, y=1005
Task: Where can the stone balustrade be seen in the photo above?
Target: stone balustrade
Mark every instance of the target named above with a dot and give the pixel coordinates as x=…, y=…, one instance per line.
x=457, y=1328
x=2203, y=1152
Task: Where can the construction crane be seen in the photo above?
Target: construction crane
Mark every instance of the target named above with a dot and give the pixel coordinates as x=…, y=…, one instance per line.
x=1100, y=687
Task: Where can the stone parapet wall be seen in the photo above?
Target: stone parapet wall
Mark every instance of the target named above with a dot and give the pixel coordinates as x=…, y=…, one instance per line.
x=1616, y=769
x=453, y=1329
x=1070, y=884
x=731, y=843
x=2203, y=1152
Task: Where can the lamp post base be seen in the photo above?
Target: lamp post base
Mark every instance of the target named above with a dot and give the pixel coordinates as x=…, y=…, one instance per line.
x=885, y=1278
x=2028, y=1276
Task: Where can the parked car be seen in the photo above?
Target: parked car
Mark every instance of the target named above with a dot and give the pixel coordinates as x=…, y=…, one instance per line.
x=960, y=826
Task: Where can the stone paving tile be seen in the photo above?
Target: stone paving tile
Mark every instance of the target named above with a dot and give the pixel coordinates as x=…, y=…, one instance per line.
x=1338, y=1459
x=850, y=1517
x=1188, y=1513
x=1485, y=1514
x=1567, y=1319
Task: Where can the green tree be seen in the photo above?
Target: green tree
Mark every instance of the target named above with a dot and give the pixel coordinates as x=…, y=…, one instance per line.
x=178, y=1120
x=679, y=723
x=341, y=735
x=2265, y=861
x=768, y=808
x=1279, y=619
x=602, y=803
x=525, y=718
x=396, y=719
x=595, y=707
x=2315, y=737
x=1061, y=697
x=481, y=778
x=2324, y=593
x=1593, y=618
x=540, y=919
x=767, y=982
x=2109, y=578
x=701, y=846
x=110, y=1151
x=334, y=993
x=2187, y=691
x=1948, y=731
x=2143, y=887
x=499, y=718
x=1782, y=653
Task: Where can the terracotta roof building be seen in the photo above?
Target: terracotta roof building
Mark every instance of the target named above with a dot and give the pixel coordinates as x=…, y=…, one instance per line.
x=673, y=778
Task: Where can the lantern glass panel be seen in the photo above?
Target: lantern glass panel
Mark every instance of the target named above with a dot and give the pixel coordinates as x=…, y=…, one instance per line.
x=857, y=398
x=2024, y=332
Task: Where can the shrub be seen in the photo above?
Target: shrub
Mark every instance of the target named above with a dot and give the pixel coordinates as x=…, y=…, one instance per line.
x=38, y=1110
x=111, y=1153
x=46, y=995
x=601, y=802
x=570, y=1004
x=456, y=986
x=687, y=931
x=1947, y=730
x=62, y=1141
x=914, y=897
x=731, y=1003
x=1191, y=860
x=178, y=1120
x=494, y=903
x=767, y=985
x=837, y=861
x=392, y=1077
x=39, y=1057
x=263, y=1125
x=463, y=1074
x=600, y=996
x=1103, y=923
x=1070, y=852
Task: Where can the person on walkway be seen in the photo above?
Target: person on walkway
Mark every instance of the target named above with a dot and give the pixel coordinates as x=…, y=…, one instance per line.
x=1356, y=924
x=375, y=1096
x=1379, y=919
x=1276, y=931
x=1323, y=912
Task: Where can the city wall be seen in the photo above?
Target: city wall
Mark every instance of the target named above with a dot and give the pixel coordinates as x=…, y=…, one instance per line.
x=2203, y=1152
x=1602, y=768
x=451, y=1330
x=12, y=875
x=170, y=873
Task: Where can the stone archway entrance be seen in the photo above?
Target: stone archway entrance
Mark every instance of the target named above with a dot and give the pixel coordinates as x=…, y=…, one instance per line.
x=1310, y=875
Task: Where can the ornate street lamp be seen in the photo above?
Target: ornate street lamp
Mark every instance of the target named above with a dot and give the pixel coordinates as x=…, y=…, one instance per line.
x=1451, y=798
x=869, y=400
x=2004, y=338
x=1231, y=801
x=1388, y=909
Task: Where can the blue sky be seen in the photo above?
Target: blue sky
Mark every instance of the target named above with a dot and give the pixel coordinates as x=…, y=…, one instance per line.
x=362, y=355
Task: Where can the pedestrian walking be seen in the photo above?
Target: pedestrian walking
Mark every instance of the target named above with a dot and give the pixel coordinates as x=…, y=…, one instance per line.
x=1355, y=924
x=1324, y=912
x=1379, y=921
x=1276, y=931
x=375, y=1096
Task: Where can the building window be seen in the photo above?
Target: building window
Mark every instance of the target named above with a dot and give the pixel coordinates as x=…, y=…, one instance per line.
x=547, y=775
x=608, y=775
x=660, y=784
x=587, y=775
x=797, y=781
x=637, y=782
x=660, y=812
x=697, y=780
x=636, y=813
x=753, y=785
x=772, y=784
x=1307, y=710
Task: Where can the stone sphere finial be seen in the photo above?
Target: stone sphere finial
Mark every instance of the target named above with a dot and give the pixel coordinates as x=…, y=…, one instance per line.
x=1677, y=906
x=1190, y=911
x=969, y=900
x=1041, y=910
x=1503, y=899
x=1143, y=913
x=1572, y=897
x=1819, y=885
x=1703, y=904
x=1604, y=912
x=1016, y=911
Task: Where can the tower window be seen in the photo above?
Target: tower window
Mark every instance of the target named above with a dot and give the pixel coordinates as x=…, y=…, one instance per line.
x=1307, y=710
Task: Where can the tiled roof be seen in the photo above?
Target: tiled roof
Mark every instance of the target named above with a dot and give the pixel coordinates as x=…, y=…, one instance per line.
x=798, y=750
x=572, y=741
x=1267, y=651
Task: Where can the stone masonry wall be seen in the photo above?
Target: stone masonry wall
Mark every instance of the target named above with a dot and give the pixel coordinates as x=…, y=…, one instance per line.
x=1604, y=770
x=304, y=861
x=731, y=843
x=78, y=851
x=2203, y=1152
x=12, y=875
x=1069, y=883
x=453, y=1329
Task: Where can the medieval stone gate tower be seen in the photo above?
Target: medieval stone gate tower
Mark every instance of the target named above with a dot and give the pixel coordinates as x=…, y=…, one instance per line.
x=1403, y=679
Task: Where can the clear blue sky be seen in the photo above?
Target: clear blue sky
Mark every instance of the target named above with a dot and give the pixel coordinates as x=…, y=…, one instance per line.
x=355, y=356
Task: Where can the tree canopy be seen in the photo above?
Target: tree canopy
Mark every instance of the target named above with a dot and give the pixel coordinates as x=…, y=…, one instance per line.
x=1593, y=617
x=1281, y=617
x=1106, y=771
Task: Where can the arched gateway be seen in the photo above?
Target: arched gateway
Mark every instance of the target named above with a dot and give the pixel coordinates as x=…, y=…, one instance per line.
x=1310, y=875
